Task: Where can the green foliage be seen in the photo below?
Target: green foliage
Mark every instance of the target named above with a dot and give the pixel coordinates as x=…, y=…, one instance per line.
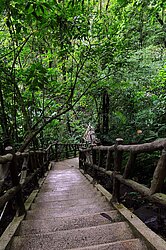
x=57, y=58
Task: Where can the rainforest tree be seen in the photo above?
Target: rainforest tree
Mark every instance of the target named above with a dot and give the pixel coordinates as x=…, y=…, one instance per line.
x=58, y=58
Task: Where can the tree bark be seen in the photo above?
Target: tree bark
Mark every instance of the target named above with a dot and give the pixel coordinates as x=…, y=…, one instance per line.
x=4, y=123
x=105, y=112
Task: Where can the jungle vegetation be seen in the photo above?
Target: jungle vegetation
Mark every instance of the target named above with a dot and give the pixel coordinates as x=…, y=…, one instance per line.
x=67, y=63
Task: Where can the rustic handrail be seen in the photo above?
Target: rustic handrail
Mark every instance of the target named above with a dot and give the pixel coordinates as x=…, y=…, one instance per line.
x=137, y=148
x=111, y=165
x=26, y=166
x=17, y=164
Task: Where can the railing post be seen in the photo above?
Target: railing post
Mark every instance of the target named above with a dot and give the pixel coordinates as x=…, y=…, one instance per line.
x=45, y=160
x=129, y=165
x=75, y=150
x=94, y=156
x=109, y=160
x=100, y=158
x=47, y=156
x=159, y=174
x=117, y=168
x=80, y=159
x=42, y=163
x=56, y=152
x=67, y=149
x=35, y=163
x=15, y=181
x=24, y=170
x=84, y=160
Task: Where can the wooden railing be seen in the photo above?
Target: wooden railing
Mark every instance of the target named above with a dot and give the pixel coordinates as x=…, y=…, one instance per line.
x=59, y=151
x=21, y=169
x=109, y=160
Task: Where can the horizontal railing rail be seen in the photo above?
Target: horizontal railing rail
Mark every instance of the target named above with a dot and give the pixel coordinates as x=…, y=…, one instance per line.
x=109, y=160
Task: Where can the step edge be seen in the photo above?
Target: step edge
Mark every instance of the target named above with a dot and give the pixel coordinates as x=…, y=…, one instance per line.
x=78, y=216
x=109, y=244
x=27, y=223
x=122, y=224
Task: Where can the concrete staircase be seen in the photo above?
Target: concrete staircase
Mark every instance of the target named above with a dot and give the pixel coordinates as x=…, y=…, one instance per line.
x=69, y=213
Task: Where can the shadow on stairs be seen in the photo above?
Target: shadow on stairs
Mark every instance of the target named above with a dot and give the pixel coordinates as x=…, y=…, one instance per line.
x=70, y=213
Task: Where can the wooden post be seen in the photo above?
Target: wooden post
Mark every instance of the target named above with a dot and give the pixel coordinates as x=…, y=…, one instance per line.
x=159, y=174
x=94, y=162
x=129, y=165
x=75, y=150
x=47, y=156
x=80, y=159
x=51, y=153
x=56, y=152
x=15, y=181
x=24, y=170
x=100, y=158
x=94, y=156
x=84, y=160
x=35, y=162
x=109, y=160
x=42, y=165
x=66, y=149
x=45, y=163
x=117, y=168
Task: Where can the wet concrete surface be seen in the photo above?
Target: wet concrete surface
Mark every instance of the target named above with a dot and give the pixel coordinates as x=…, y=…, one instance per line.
x=69, y=213
x=67, y=223
x=74, y=238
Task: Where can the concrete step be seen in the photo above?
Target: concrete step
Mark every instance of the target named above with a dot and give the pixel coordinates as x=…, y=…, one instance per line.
x=68, y=172
x=45, y=197
x=133, y=244
x=67, y=203
x=67, y=182
x=39, y=213
x=59, y=224
x=82, y=192
x=75, y=238
x=68, y=189
x=71, y=188
x=54, y=176
x=66, y=164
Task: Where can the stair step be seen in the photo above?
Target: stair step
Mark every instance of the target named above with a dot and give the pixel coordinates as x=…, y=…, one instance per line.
x=74, y=238
x=68, y=189
x=66, y=173
x=58, y=224
x=133, y=244
x=63, y=178
x=68, y=203
x=47, y=196
x=66, y=183
x=39, y=213
x=66, y=164
x=62, y=183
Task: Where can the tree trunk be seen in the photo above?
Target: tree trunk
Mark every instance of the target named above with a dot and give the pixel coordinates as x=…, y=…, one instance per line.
x=105, y=112
x=4, y=123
